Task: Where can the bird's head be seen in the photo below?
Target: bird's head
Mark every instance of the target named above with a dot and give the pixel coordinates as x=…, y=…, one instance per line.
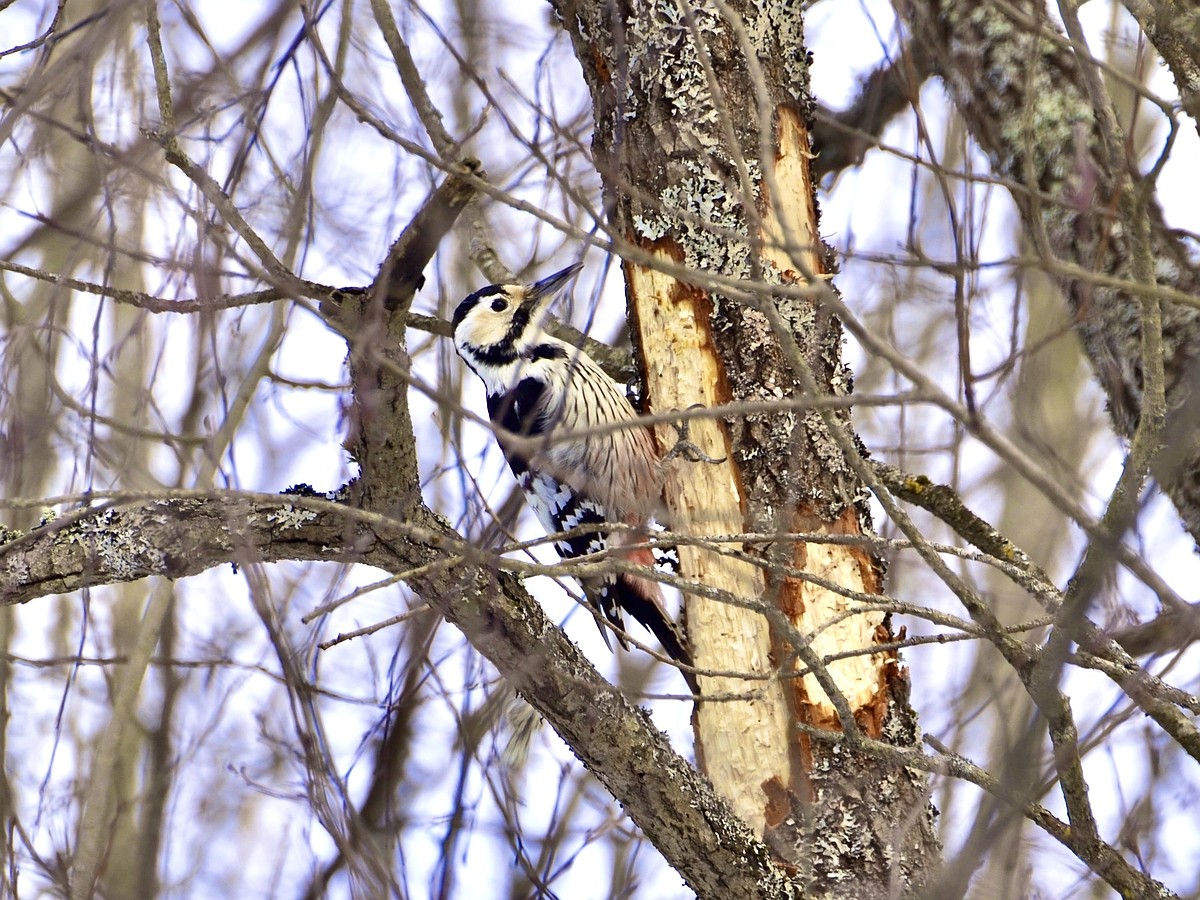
x=497, y=323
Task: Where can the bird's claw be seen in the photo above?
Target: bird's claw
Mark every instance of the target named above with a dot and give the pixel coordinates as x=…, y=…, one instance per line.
x=687, y=448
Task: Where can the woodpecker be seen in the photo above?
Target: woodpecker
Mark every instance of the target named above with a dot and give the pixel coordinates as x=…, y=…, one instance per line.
x=546, y=391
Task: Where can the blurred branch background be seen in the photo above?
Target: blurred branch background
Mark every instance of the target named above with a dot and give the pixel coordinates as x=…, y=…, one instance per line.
x=200, y=724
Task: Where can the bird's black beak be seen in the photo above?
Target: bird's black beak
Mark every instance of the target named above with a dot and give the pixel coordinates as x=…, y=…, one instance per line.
x=547, y=286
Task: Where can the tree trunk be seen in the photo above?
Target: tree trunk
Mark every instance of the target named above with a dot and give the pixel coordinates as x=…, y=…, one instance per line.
x=707, y=114
x=1084, y=207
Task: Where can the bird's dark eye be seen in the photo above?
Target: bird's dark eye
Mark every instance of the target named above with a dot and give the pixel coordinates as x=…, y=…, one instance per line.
x=499, y=305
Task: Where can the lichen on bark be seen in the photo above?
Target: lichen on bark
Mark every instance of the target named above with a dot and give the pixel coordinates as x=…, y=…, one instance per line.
x=1020, y=89
x=702, y=139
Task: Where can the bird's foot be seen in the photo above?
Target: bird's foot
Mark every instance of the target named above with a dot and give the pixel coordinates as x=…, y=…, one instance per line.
x=685, y=447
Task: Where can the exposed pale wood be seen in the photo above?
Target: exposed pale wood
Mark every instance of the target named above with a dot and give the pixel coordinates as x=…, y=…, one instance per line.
x=704, y=170
x=744, y=741
x=789, y=220
x=829, y=618
x=789, y=224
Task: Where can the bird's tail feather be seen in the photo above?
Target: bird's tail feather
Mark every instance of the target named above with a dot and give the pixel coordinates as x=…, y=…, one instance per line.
x=642, y=599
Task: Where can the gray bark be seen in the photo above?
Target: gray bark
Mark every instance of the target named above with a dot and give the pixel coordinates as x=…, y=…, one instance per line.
x=687, y=174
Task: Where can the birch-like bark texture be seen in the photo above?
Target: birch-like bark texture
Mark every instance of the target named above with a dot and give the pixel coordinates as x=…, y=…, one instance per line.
x=701, y=119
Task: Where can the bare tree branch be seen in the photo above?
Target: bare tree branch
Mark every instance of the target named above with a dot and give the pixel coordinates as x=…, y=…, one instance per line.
x=174, y=538
x=1174, y=29
x=842, y=139
x=1071, y=196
